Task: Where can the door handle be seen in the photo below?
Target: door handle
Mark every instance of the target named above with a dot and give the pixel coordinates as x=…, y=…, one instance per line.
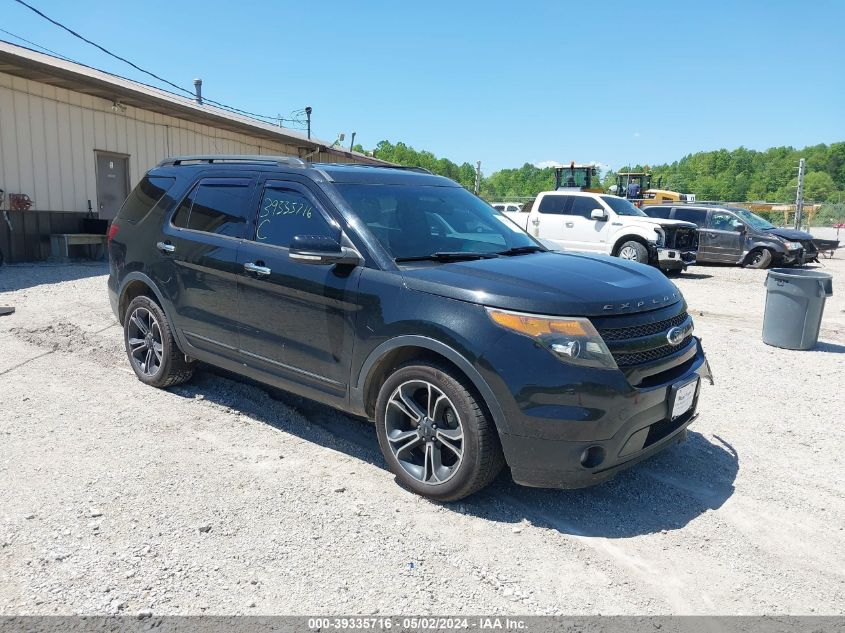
x=570, y=225
x=711, y=235
x=165, y=247
x=255, y=268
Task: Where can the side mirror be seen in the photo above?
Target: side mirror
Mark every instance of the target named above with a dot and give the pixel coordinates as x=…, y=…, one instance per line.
x=598, y=214
x=322, y=251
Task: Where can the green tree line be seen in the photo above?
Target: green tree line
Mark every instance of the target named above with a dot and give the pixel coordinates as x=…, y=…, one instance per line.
x=740, y=175
x=745, y=175
x=402, y=154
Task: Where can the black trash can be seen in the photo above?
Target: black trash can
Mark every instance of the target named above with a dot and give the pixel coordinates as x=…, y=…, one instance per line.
x=794, y=306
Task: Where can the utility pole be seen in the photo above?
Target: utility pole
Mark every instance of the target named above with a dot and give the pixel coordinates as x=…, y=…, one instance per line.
x=352, y=142
x=477, y=177
x=308, y=116
x=799, y=196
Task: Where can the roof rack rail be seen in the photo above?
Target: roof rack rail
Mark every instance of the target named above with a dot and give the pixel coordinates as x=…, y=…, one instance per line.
x=262, y=159
x=421, y=170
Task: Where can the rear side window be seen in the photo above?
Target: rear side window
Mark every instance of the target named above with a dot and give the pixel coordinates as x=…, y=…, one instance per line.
x=554, y=204
x=696, y=216
x=285, y=213
x=144, y=197
x=217, y=205
x=658, y=212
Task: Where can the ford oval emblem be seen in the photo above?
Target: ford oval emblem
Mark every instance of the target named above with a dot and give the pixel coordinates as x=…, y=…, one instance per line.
x=675, y=335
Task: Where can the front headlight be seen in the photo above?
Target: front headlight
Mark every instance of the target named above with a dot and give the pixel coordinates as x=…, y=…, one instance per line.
x=572, y=339
x=661, y=237
x=793, y=246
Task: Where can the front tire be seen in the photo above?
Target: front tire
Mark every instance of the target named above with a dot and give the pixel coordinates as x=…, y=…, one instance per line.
x=633, y=251
x=435, y=433
x=152, y=350
x=760, y=259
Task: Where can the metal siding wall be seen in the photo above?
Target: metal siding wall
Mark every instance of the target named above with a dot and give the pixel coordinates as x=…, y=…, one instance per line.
x=48, y=138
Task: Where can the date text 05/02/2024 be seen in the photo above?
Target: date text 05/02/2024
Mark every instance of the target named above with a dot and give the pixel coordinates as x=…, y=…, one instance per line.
x=423, y=623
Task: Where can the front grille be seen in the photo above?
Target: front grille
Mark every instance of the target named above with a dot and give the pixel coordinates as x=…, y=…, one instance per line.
x=624, y=333
x=683, y=239
x=686, y=239
x=647, y=356
x=809, y=248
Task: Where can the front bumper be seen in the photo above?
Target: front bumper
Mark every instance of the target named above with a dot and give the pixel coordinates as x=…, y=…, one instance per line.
x=674, y=259
x=595, y=443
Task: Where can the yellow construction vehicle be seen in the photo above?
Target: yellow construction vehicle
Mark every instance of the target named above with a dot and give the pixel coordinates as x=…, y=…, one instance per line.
x=642, y=192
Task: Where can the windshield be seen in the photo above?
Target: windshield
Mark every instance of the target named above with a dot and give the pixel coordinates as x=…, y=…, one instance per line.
x=414, y=221
x=754, y=220
x=575, y=177
x=622, y=206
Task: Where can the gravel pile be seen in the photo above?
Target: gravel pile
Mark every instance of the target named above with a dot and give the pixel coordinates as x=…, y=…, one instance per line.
x=226, y=497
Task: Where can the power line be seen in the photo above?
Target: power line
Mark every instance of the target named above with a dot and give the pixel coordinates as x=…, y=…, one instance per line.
x=146, y=72
x=43, y=48
x=106, y=51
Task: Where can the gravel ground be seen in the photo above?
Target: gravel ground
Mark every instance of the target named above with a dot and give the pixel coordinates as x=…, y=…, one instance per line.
x=221, y=497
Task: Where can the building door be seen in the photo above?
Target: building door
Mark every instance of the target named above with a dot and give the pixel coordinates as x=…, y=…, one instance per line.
x=112, y=184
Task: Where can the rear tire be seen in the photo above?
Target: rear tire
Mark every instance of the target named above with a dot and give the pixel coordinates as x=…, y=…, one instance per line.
x=152, y=350
x=435, y=433
x=633, y=251
x=760, y=259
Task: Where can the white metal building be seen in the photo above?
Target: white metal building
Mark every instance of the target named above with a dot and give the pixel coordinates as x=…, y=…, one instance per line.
x=70, y=134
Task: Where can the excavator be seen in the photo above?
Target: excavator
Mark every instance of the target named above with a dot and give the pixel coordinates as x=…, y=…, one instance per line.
x=643, y=193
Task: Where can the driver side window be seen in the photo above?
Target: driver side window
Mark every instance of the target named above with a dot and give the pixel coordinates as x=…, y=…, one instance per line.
x=285, y=213
x=722, y=221
x=583, y=206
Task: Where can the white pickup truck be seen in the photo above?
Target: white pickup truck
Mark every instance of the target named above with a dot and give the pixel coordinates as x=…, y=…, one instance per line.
x=601, y=223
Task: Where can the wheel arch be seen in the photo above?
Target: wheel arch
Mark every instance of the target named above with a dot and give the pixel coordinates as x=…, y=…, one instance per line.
x=629, y=237
x=135, y=285
x=395, y=352
x=776, y=249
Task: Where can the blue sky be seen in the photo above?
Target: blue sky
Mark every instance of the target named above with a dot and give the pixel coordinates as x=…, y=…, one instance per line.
x=501, y=82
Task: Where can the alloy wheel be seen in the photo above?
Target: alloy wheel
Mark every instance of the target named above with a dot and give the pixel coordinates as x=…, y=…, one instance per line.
x=424, y=432
x=143, y=334
x=628, y=252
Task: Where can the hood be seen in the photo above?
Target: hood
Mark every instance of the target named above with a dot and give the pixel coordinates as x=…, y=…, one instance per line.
x=789, y=234
x=565, y=284
x=662, y=221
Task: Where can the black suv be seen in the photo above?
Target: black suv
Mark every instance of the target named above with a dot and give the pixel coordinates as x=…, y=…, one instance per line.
x=734, y=235
x=398, y=295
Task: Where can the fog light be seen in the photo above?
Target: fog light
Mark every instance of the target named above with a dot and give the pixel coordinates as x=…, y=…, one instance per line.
x=592, y=456
x=569, y=348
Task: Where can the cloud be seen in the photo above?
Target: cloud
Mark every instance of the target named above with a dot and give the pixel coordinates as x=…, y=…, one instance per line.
x=636, y=135
x=548, y=163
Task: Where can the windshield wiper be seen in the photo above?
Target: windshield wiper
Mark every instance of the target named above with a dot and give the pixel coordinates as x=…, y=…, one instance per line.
x=446, y=256
x=522, y=250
